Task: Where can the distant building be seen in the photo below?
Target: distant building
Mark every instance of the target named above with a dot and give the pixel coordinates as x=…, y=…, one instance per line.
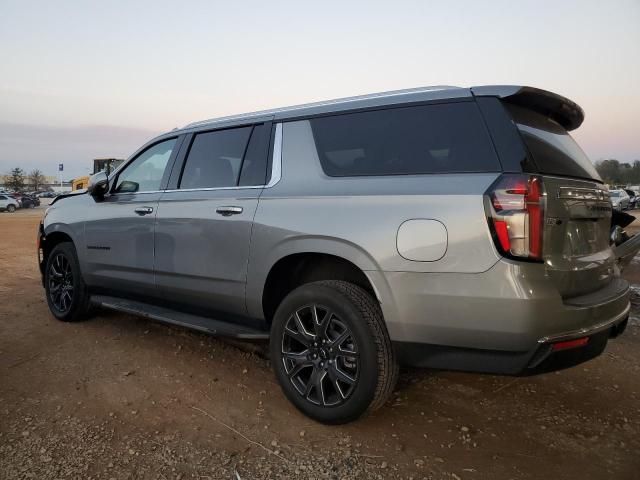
x=106, y=164
x=49, y=181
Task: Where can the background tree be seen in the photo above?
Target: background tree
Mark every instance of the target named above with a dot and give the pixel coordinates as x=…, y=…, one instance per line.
x=16, y=179
x=614, y=172
x=36, y=179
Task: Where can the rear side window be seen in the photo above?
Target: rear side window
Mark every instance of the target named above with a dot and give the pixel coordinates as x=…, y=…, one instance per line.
x=215, y=159
x=439, y=138
x=554, y=151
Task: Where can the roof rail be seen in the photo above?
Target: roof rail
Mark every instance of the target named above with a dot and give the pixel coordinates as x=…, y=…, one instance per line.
x=323, y=103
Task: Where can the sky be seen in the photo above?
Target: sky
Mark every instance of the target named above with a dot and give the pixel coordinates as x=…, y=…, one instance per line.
x=81, y=80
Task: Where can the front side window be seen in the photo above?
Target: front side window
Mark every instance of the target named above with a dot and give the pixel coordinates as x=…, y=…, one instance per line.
x=438, y=138
x=145, y=173
x=215, y=159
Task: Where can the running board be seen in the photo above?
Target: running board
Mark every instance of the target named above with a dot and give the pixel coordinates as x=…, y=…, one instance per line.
x=173, y=317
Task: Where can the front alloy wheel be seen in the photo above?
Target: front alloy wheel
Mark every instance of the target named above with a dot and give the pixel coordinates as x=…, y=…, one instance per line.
x=66, y=293
x=61, y=283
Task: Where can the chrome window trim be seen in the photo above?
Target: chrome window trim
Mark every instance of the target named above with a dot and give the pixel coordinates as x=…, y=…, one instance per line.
x=276, y=161
x=210, y=189
x=191, y=190
x=135, y=193
x=276, y=173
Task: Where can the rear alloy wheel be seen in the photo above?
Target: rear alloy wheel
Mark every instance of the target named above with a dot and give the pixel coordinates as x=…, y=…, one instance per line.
x=331, y=351
x=320, y=355
x=11, y=208
x=67, y=294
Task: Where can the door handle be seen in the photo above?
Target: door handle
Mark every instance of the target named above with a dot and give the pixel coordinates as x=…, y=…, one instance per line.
x=228, y=211
x=144, y=210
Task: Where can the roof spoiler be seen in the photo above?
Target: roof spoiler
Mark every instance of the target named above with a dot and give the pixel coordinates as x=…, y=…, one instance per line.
x=561, y=109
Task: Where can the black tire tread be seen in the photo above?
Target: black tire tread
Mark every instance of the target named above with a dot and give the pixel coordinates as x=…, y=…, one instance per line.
x=388, y=367
x=82, y=310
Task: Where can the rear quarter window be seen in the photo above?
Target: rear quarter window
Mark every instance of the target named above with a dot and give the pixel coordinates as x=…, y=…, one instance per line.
x=438, y=138
x=553, y=150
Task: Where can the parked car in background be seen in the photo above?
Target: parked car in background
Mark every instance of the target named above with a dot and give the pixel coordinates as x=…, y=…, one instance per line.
x=30, y=202
x=619, y=199
x=329, y=229
x=633, y=198
x=17, y=197
x=8, y=203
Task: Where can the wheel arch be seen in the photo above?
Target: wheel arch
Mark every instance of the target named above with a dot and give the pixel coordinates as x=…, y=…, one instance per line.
x=294, y=269
x=49, y=237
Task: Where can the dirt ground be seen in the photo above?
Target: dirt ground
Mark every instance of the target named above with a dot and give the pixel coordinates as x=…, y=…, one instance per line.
x=120, y=397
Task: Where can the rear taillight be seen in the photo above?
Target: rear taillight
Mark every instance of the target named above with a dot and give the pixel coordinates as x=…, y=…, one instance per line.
x=515, y=210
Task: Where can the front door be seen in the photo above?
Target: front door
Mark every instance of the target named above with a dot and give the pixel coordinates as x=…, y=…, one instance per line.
x=204, y=225
x=119, y=234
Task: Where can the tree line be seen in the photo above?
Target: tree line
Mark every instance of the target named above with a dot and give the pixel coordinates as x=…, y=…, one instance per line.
x=17, y=179
x=614, y=172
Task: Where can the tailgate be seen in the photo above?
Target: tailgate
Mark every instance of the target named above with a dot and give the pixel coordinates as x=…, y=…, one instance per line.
x=576, y=252
x=576, y=236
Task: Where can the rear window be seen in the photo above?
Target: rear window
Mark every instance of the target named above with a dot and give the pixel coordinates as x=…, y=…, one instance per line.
x=554, y=151
x=215, y=158
x=439, y=138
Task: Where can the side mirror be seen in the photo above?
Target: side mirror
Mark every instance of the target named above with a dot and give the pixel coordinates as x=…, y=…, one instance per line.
x=98, y=185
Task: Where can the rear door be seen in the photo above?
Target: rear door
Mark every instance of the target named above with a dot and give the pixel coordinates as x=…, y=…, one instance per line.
x=204, y=222
x=120, y=228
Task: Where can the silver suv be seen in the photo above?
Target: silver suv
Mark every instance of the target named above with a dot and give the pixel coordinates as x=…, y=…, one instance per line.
x=8, y=203
x=450, y=228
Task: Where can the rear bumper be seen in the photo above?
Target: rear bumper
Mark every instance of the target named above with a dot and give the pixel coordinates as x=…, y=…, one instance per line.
x=588, y=331
x=540, y=359
x=502, y=320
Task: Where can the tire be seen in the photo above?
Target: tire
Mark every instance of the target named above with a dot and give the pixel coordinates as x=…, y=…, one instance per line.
x=62, y=272
x=11, y=208
x=339, y=387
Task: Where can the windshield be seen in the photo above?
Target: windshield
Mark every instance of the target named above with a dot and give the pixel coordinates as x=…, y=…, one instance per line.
x=614, y=193
x=554, y=151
